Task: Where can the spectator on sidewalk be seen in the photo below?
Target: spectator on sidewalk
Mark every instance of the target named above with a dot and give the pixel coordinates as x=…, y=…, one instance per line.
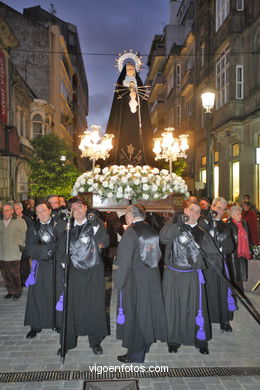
x=25, y=259
x=12, y=243
x=250, y=217
x=238, y=260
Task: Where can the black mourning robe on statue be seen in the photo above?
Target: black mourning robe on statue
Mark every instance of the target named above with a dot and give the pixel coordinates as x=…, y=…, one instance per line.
x=140, y=285
x=217, y=290
x=129, y=146
x=181, y=289
x=86, y=314
x=40, y=246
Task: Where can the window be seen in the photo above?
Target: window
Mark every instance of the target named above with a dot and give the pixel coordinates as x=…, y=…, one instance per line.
x=235, y=150
x=178, y=76
x=216, y=181
x=203, y=160
x=189, y=108
x=222, y=11
x=235, y=180
x=216, y=157
x=239, y=82
x=38, y=126
x=72, y=39
x=189, y=62
x=240, y=5
x=203, y=175
x=222, y=78
x=169, y=84
x=202, y=55
x=178, y=116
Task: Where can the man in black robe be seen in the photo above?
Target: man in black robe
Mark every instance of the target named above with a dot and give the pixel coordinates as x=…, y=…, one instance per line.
x=130, y=121
x=220, y=299
x=40, y=246
x=183, y=283
x=141, y=319
x=86, y=314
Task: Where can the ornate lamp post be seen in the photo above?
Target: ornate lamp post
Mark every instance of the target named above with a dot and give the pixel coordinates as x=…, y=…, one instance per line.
x=208, y=100
x=169, y=148
x=95, y=147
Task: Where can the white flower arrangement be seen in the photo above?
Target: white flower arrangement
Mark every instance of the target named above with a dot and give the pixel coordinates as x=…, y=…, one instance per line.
x=129, y=182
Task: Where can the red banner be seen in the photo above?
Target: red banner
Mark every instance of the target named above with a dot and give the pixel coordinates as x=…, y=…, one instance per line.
x=13, y=144
x=3, y=89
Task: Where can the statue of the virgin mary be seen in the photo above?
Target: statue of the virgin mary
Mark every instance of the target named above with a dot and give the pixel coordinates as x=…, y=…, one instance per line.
x=129, y=118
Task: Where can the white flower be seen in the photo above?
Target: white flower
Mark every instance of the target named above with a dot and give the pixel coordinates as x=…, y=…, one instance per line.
x=130, y=182
x=74, y=193
x=82, y=181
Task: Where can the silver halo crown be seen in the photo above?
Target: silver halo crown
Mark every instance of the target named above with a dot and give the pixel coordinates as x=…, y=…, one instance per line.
x=128, y=55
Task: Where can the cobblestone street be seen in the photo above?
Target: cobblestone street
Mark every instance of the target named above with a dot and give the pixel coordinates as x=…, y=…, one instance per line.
x=241, y=348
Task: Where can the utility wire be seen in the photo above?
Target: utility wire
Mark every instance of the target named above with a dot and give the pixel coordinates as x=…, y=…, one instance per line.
x=116, y=54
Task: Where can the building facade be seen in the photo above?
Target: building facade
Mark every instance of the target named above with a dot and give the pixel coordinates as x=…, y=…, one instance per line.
x=45, y=89
x=220, y=51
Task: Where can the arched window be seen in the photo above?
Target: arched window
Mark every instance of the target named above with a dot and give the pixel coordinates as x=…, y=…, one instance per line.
x=38, y=126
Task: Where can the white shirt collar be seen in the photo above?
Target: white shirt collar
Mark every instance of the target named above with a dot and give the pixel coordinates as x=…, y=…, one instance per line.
x=45, y=223
x=193, y=225
x=138, y=220
x=76, y=223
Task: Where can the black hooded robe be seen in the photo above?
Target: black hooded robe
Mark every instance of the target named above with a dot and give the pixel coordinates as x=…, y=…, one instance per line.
x=125, y=126
x=86, y=312
x=181, y=289
x=39, y=306
x=217, y=290
x=141, y=296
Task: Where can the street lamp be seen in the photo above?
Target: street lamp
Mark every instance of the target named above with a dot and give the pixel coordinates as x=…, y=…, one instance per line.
x=170, y=148
x=208, y=99
x=95, y=147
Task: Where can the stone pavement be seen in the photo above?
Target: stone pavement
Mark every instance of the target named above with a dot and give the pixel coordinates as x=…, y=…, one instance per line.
x=241, y=348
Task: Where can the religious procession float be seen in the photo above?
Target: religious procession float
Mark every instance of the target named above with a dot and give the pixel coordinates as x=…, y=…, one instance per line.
x=129, y=175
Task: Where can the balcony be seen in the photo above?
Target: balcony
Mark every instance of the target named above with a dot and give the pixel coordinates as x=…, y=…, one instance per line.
x=157, y=105
x=158, y=79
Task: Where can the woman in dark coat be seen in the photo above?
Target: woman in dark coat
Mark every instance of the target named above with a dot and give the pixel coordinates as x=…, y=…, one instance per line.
x=238, y=260
x=251, y=219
